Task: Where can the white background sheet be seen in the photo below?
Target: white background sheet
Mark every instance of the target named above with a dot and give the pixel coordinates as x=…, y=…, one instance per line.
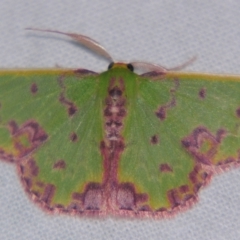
x=159, y=31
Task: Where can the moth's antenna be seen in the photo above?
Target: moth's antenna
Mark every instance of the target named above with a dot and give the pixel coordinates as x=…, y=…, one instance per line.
x=84, y=40
x=157, y=68
x=149, y=67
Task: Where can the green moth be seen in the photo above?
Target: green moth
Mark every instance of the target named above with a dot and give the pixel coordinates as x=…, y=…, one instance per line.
x=118, y=143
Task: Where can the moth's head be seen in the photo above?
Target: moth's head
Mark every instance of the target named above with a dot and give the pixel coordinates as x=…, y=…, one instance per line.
x=139, y=67
x=128, y=66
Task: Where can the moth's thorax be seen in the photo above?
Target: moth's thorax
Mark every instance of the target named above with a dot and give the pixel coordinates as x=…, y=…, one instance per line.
x=114, y=111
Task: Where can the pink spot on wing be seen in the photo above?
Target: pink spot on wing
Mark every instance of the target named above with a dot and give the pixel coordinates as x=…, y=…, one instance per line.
x=34, y=88
x=71, y=110
x=71, y=107
x=92, y=197
x=238, y=112
x=25, y=139
x=165, y=167
x=184, y=189
x=33, y=167
x=85, y=72
x=193, y=177
x=200, y=136
x=161, y=113
x=154, y=139
x=202, y=93
x=40, y=184
x=48, y=193
x=77, y=196
x=27, y=182
x=127, y=198
x=162, y=110
x=13, y=127
x=60, y=164
x=174, y=198
x=73, y=137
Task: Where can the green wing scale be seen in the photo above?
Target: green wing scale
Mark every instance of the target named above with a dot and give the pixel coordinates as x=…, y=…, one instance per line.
x=118, y=143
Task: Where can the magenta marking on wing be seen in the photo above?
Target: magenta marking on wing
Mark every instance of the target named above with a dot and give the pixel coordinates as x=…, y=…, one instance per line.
x=127, y=198
x=154, y=75
x=174, y=198
x=60, y=164
x=154, y=139
x=71, y=107
x=184, y=189
x=91, y=199
x=34, y=88
x=197, y=138
x=36, y=136
x=202, y=93
x=27, y=182
x=84, y=72
x=165, y=167
x=73, y=137
x=48, y=193
x=33, y=167
x=13, y=127
x=32, y=131
x=238, y=112
x=161, y=112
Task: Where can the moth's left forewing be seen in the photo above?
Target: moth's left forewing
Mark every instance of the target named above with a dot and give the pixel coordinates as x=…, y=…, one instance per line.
x=179, y=130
